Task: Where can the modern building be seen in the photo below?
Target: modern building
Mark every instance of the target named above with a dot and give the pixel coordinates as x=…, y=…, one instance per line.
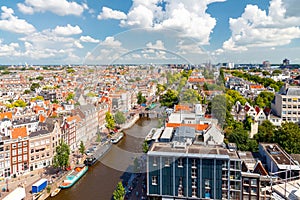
x=195, y=171
x=286, y=104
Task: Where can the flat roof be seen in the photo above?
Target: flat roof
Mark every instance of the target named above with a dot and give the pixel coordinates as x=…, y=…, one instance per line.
x=167, y=134
x=161, y=148
x=279, y=156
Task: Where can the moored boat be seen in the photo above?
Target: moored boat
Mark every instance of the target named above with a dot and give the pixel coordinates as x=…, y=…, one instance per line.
x=117, y=138
x=55, y=192
x=74, y=176
x=98, y=153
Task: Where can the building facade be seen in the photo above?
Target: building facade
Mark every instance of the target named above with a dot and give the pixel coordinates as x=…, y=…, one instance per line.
x=197, y=172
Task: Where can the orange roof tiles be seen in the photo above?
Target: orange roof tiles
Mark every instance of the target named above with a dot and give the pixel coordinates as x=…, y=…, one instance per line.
x=199, y=127
x=6, y=115
x=19, y=132
x=196, y=80
x=256, y=86
x=71, y=118
x=182, y=107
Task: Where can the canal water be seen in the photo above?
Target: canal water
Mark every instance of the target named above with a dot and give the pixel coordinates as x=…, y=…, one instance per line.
x=101, y=179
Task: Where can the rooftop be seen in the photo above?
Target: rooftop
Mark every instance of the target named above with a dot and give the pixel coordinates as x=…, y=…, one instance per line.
x=197, y=150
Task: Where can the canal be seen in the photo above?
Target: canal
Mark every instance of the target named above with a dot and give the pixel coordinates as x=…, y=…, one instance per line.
x=117, y=165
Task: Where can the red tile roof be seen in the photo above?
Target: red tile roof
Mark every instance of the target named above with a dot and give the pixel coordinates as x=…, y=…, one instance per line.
x=199, y=127
x=6, y=115
x=19, y=132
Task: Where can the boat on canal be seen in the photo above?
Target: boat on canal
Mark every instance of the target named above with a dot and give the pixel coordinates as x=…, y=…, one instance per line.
x=55, y=192
x=97, y=154
x=116, y=138
x=74, y=176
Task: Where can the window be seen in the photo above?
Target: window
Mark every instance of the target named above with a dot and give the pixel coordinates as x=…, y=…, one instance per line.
x=14, y=152
x=194, y=163
x=194, y=183
x=25, y=157
x=25, y=150
x=283, y=106
x=14, y=159
x=154, y=180
x=14, y=146
x=289, y=106
x=19, y=151
x=180, y=162
x=289, y=100
x=294, y=106
x=32, y=157
x=194, y=192
x=284, y=99
x=167, y=162
x=20, y=144
x=24, y=144
x=154, y=161
x=207, y=183
x=194, y=173
x=19, y=158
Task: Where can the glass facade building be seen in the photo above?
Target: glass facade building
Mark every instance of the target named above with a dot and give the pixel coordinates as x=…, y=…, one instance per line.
x=194, y=172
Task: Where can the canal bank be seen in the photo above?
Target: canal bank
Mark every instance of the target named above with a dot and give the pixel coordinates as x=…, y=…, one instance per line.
x=117, y=165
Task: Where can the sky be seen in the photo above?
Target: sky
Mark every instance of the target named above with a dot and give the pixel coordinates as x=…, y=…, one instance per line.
x=37, y=32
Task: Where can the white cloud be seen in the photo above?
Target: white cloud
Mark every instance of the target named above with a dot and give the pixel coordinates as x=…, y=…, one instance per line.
x=189, y=18
x=59, y=7
x=47, y=44
x=108, y=13
x=157, y=45
x=111, y=42
x=88, y=39
x=67, y=30
x=25, y=9
x=9, y=49
x=189, y=47
x=256, y=28
x=78, y=44
x=12, y=23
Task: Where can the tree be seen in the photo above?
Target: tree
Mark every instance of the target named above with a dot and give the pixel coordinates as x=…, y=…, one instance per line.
x=240, y=137
x=61, y=158
x=110, y=121
x=169, y=98
x=27, y=92
x=288, y=137
x=39, y=78
x=81, y=148
x=34, y=86
x=145, y=147
x=70, y=96
x=120, y=118
x=37, y=98
x=264, y=99
x=19, y=103
x=266, y=132
x=190, y=96
x=218, y=108
x=160, y=88
x=140, y=98
x=119, y=192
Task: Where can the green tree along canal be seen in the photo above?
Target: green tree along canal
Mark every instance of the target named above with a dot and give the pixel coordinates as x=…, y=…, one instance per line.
x=102, y=178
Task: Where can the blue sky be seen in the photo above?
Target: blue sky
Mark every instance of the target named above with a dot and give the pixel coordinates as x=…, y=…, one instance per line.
x=148, y=31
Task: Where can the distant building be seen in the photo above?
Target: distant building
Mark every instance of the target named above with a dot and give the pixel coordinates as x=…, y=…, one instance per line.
x=286, y=62
x=286, y=104
x=266, y=64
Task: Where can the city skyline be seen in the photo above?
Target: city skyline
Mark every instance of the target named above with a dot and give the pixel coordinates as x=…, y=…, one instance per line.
x=156, y=31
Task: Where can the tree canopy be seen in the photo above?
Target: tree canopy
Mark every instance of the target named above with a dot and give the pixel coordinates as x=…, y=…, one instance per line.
x=120, y=118
x=190, y=96
x=119, y=192
x=61, y=158
x=264, y=99
x=110, y=121
x=169, y=99
x=140, y=98
x=81, y=148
